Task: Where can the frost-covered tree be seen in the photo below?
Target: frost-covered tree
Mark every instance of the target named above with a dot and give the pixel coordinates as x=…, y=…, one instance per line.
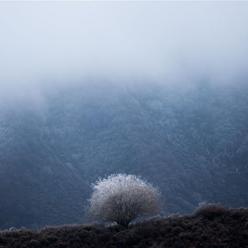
x=122, y=198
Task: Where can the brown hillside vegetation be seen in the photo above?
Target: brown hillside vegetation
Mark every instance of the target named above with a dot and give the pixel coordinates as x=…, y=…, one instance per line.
x=210, y=227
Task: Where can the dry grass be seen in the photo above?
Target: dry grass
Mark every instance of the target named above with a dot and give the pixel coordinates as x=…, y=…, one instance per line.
x=211, y=226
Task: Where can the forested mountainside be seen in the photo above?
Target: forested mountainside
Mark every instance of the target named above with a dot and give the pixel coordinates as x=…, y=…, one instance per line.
x=191, y=142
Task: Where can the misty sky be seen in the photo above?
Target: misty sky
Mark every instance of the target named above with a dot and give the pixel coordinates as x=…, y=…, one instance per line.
x=159, y=41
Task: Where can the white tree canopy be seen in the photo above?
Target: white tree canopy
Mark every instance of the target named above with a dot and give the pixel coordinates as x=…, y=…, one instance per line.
x=122, y=198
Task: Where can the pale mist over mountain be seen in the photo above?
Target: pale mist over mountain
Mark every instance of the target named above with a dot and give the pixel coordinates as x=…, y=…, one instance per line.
x=87, y=89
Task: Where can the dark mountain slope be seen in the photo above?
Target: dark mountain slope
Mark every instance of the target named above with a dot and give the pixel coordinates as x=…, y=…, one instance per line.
x=210, y=227
x=191, y=142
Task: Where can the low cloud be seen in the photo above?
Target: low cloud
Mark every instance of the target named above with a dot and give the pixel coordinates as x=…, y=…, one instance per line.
x=48, y=42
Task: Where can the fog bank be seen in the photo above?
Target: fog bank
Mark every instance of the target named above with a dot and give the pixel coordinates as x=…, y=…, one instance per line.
x=65, y=42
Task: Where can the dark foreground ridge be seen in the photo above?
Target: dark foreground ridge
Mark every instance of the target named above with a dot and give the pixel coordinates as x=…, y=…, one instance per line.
x=210, y=227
